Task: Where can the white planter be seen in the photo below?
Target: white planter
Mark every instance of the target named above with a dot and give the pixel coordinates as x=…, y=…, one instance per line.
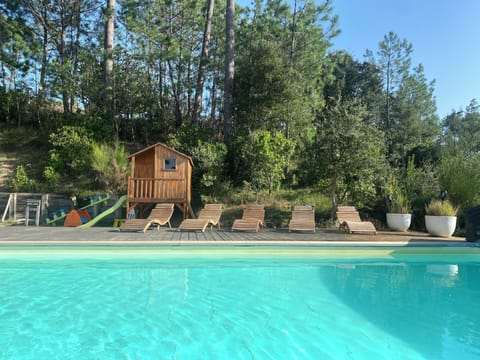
x=443, y=226
x=399, y=222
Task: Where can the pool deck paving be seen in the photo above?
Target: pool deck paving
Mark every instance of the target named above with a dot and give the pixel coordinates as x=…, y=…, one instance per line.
x=43, y=235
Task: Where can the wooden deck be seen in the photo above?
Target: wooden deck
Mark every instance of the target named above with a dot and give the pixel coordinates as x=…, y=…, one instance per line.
x=21, y=235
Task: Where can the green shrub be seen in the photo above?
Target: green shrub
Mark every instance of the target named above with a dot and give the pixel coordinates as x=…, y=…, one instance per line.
x=72, y=146
x=261, y=159
x=51, y=179
x=209, y=159
x=420, y=182
x=21, y=182
x=441, y=208
x=459, y=174
x=111, y=165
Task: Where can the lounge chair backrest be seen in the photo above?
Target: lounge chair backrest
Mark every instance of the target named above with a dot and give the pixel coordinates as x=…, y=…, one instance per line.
x=160, y=215
x=255, y=206
x=346, y=209
x=162, y=212
x=213, y=207
x=303, y=213
x=303, y=208
x=254, y=212
x=348, y=216
x=211, y=212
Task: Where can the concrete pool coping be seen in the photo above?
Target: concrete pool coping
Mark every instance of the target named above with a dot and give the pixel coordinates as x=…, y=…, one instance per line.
x=32, y=235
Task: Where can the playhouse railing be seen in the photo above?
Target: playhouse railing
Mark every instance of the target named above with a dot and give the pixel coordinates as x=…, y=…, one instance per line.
x=156, y=189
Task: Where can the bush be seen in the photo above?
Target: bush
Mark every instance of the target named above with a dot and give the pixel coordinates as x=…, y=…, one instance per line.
x=71, y=150
x=262, y=158
x=21, y=182
x=51, y=179
x=111, y=166
x=420, y=183
x=209, y=158
x=459, y=174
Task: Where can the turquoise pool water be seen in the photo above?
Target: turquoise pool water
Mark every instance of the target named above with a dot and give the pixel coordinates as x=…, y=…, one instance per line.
x=239, y=303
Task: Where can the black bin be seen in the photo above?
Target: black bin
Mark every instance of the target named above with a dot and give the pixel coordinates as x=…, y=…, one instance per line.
x=472, y=224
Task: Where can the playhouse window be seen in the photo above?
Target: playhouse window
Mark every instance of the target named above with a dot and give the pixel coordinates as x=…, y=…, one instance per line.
x=170, y=164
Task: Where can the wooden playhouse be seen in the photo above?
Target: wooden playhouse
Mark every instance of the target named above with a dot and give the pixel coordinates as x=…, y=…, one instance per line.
x=160, y=174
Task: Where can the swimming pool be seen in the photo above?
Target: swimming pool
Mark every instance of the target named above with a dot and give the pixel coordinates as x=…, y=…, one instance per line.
x=239, y=303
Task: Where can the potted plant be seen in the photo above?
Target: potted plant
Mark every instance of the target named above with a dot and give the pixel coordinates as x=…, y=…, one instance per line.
x=398, y=215
x=441, y=218
x=398, y=206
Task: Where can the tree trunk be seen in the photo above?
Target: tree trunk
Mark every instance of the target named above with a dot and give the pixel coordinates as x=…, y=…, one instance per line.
x=176, y=96
x=43, y=69
x=333, y=191
x=294, y=29
x=229, y=72
x=108, y=62
x=189, y=88
x=197, y=106
x=213, y=100
x=62, y=46
x=76, y=49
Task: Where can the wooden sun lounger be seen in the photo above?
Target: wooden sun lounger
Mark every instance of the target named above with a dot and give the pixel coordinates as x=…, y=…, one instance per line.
x=351, y=222
x=303, y=218
x=252, y=219
x=208, y=216
x=159, y=216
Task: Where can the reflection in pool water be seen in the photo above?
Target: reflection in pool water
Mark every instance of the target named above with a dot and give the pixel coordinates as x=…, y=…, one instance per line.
x=443, y=269
x=430, y=307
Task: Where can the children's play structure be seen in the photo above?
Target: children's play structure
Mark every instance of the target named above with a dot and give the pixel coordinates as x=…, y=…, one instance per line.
x=160, y=174
x=77, y=217
x=32, y=208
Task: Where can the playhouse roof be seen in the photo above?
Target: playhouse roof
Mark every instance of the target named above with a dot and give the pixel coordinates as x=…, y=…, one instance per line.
x=164, y=146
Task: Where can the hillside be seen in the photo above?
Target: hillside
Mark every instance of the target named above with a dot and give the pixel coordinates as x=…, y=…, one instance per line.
x=21, y=147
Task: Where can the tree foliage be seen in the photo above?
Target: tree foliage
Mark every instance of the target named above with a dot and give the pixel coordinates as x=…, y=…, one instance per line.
x=209, y=159
x=262, y=159
x=299, y=114
x=408, y=115
x=461, y=133
x=71, y=148
x=349, y=158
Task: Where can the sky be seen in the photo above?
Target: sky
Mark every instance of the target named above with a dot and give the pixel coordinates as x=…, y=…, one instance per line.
x=445, y=35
